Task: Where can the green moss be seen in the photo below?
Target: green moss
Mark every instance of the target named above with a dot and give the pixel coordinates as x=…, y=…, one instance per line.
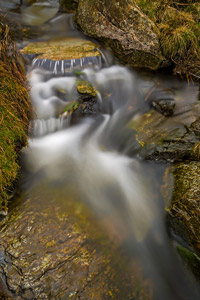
x=71, y=107
x=191, y=260
x=14, y=111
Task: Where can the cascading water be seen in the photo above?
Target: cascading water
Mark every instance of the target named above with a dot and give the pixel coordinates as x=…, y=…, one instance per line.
x=91, y=155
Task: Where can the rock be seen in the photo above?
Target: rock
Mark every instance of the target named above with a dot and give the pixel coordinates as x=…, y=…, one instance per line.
x=164, y=106
x=14, y=114
x=62, y=49
x=52, y=248
x=63, y=55
x=183, y=212
x=85, y=88
x=122, y=26
x=168, y=139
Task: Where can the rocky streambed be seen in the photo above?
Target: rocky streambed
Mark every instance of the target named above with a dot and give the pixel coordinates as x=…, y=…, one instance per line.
x=51, y=245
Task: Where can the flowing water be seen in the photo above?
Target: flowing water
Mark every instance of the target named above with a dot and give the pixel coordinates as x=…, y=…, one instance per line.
x=98, y=155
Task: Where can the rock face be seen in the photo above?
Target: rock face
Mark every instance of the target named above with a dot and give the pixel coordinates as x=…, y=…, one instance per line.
x=51, y=248
x=122, y=26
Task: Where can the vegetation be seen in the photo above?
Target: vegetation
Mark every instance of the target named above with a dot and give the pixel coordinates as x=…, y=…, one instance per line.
x=14, y=113
x=179, y=27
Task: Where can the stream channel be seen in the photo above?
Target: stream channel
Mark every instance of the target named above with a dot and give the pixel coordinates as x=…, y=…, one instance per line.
x=83, y=163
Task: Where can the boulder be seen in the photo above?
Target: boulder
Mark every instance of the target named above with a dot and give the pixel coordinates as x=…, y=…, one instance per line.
x=122, y=26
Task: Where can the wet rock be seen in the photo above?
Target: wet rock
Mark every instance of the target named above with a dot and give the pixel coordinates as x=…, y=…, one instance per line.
x=53, y=249
x=122, y=26
x=162, y=100
x=85, y=88
x=164, y=106
x=63, y=55
x=168, y=138
x=62, y=49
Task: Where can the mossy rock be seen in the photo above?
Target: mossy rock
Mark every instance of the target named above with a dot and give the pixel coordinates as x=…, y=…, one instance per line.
x=14, y=114
x=85, y=88
x=183, y=213
x=143, y=33
x=62, y=49
x=121, y=25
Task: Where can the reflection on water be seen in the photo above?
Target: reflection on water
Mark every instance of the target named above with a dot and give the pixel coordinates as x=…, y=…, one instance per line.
x=91, y=157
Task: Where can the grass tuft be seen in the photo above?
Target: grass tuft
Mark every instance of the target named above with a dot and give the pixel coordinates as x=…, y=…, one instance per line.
x=179, y=25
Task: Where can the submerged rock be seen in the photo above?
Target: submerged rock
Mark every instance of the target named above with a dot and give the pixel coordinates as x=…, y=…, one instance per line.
x=51, y=248
x=122, y=26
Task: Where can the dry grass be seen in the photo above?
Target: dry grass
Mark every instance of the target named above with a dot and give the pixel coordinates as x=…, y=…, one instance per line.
x=178, y=22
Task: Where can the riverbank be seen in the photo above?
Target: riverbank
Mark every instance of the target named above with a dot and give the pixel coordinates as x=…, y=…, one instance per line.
x=14, y=114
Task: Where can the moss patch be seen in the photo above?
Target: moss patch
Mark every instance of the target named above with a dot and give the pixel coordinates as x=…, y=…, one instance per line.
x=14, y=112
x=84, y=87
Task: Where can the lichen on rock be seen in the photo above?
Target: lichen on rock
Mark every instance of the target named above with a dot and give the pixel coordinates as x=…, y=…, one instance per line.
x=62, y=49
x=121, y=25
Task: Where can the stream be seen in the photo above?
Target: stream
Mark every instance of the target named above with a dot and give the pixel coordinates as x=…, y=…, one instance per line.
x=92, y=154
